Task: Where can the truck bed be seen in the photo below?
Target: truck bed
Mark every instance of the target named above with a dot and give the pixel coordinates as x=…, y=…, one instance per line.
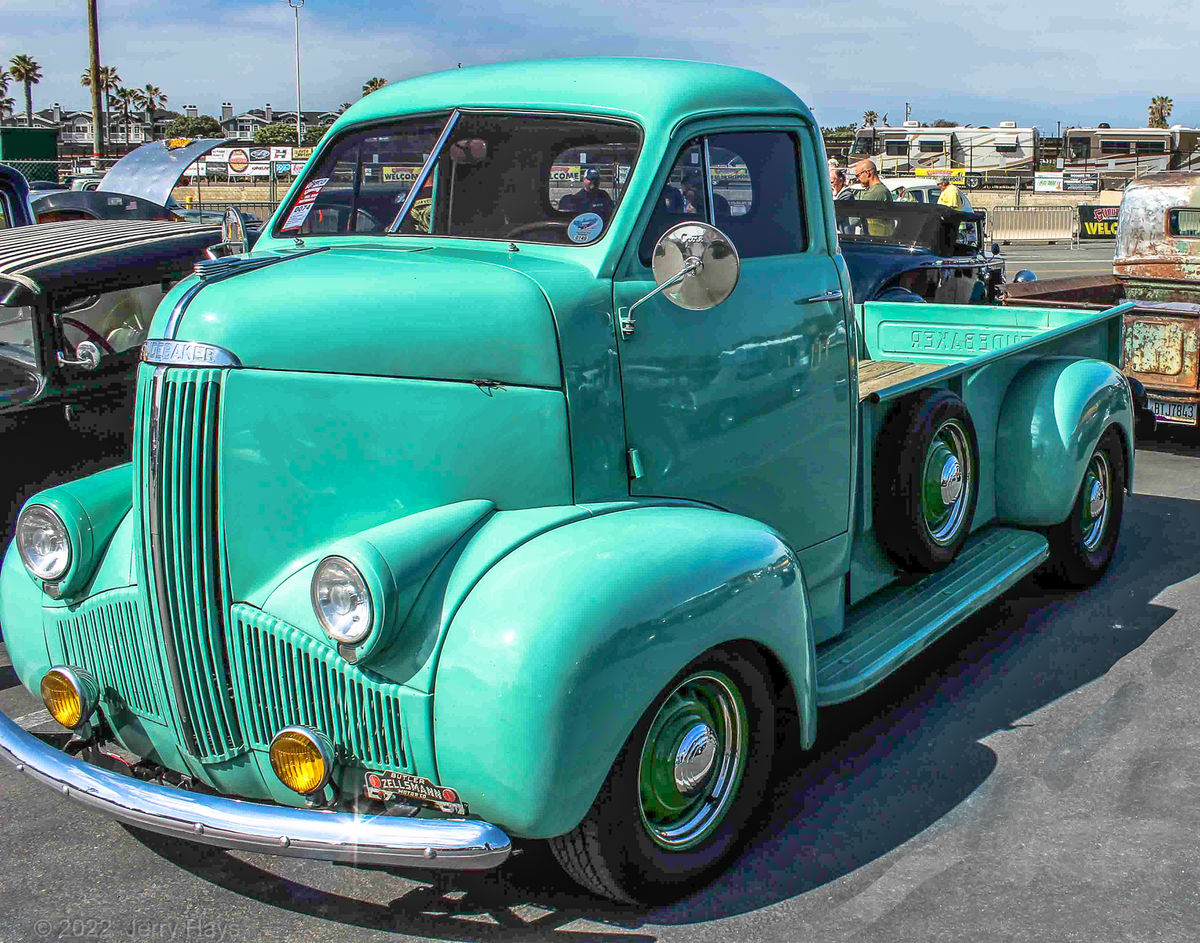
x=876, y=375
x=903, y=347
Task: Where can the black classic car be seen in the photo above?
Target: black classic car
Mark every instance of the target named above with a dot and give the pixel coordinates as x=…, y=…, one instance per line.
x=900, y=251
x=76, y=299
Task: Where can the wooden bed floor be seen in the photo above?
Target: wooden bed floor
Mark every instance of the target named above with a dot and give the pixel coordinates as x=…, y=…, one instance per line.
x=876, y=375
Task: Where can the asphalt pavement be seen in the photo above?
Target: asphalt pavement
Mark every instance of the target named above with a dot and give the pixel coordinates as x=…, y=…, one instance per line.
x=1034, y=776
x=1059, y=260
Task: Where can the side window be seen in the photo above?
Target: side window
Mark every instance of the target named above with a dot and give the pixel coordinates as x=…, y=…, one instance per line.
x=5, y=215
x=682, y=199
x=757, y=192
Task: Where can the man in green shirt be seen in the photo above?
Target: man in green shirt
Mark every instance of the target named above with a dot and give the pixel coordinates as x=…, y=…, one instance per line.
x=867, y=175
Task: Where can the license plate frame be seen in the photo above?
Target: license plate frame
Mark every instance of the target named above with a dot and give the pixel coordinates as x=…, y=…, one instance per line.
x=1173, y=411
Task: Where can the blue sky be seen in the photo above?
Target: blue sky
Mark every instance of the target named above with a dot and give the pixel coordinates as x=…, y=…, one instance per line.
x=1078, y=63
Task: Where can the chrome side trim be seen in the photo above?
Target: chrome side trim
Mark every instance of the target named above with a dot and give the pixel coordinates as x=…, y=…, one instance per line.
x=188, y=354
x=157, y=564
x=444, y=844
x=423, y=175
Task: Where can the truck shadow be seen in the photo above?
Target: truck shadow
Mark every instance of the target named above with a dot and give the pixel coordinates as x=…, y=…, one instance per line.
x=900, y=762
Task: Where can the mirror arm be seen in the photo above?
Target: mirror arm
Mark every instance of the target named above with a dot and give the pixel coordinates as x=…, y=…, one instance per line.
x=626, y=320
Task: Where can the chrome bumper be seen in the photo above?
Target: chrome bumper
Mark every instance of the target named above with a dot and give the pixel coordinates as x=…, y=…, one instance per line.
x=453, y=844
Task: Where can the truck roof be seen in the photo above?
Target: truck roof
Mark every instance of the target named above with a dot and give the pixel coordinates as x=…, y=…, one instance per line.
x=655, y=92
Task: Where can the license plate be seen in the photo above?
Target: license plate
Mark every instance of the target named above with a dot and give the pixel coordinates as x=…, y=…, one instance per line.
x=388, y=786
x=1166, y=410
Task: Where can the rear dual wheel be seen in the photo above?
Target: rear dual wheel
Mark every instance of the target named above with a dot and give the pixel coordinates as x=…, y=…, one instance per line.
x=681, y=794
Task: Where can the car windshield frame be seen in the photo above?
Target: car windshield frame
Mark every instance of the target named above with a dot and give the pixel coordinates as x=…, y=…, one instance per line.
x=429, y=167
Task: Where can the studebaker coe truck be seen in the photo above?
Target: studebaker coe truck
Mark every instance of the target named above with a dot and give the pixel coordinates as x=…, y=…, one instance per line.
x=524, y=481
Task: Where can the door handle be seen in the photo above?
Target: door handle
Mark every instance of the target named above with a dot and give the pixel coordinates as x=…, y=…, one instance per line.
x=832, y=295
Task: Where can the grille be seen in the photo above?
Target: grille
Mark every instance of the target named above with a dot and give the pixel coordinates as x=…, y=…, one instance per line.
x=107, y=637
x=178, y=443
x=284, y=678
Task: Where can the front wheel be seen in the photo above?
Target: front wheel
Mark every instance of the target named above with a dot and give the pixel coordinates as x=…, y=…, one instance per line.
x=684, y=788
x=1082, y=546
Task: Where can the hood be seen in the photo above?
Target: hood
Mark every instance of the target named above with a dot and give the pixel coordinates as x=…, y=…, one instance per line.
x=377, y=311
x=152, y=170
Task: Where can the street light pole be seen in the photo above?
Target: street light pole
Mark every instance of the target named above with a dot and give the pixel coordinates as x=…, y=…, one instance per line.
x=296, y=5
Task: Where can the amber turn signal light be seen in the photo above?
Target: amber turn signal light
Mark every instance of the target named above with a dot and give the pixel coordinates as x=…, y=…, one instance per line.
x=302, y=759
x=70, y=695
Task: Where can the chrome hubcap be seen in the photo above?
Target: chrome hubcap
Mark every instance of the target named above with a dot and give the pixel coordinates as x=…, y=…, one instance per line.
x=695, y=759
x=692, y=761
x=946, y=482
x=951, y=481
x=1096, y=485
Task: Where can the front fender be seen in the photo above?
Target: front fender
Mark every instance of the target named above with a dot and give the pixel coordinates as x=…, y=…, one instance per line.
x=558, y=650
x=1053, y=415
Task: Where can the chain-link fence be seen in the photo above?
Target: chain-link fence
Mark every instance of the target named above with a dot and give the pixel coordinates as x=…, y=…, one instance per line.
x=62, y=170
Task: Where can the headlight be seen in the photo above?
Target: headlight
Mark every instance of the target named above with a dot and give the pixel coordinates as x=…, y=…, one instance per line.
x=43, y=543
x=341, y=600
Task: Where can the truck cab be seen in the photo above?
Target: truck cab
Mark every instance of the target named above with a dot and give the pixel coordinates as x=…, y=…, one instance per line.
x=530, y=477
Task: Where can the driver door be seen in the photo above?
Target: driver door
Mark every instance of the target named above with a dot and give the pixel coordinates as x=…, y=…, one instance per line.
x=746, y=405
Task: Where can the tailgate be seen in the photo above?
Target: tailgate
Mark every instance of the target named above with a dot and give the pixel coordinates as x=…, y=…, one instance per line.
x=1161, y=344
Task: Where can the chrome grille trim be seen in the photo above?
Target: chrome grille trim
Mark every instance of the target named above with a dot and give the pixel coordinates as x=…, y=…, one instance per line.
x=185, y=564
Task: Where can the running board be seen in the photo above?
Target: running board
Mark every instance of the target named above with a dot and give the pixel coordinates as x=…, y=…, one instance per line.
x=890, y=629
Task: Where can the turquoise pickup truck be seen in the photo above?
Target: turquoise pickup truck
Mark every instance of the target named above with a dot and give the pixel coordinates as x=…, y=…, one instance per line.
x=533, y=477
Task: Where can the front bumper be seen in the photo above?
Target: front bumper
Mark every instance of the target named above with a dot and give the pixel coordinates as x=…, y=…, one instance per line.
x=449, y=844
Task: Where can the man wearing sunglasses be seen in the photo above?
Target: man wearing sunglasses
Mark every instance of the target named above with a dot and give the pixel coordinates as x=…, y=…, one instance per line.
x=867, y=176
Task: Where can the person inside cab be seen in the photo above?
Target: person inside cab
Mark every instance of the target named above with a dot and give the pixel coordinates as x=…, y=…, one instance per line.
x=590, y=198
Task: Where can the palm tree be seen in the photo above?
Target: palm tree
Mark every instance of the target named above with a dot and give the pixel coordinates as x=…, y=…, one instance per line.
x=1160, y=111
x=344, y=107
x=110, y=80
x=24, y=69
x=151, y=98
x=5, y=78
x=373, y=85
x=126, y=99
x=869, y=119
x=6, y=108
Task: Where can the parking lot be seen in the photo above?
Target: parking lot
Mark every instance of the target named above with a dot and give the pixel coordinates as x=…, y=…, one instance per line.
x=1033, y=777
x=1060, y=261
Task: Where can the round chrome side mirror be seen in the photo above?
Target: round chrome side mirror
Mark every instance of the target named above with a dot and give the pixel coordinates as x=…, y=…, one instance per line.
x=1025, y=275
x=696, y=266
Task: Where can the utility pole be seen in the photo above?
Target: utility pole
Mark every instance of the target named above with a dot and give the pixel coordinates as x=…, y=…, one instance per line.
x=296, y=5
x=94, y=65
x=907, y=111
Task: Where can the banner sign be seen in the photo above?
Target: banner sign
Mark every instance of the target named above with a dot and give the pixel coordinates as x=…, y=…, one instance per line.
x=284, y=168
x=957, y=175
x=238, y=160
x=281, y=153
x=1075, y=181
x=259, y=169
x=565, y=173
x=1098, y=222
x=301, y=153
x=219, y=155
x=402, y=174
x=1048, y=182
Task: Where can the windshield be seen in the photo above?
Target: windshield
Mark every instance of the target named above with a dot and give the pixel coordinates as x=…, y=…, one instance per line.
x=496, y=176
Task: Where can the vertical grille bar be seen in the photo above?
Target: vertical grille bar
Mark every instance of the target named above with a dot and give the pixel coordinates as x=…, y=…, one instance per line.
x=179, y=463
x=284, y=677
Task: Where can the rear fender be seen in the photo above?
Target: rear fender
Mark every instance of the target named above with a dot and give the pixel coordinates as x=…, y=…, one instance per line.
x=1054, y=413
x=562, y=645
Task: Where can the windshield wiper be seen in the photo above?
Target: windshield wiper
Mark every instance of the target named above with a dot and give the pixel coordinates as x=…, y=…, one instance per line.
x=426, y=169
